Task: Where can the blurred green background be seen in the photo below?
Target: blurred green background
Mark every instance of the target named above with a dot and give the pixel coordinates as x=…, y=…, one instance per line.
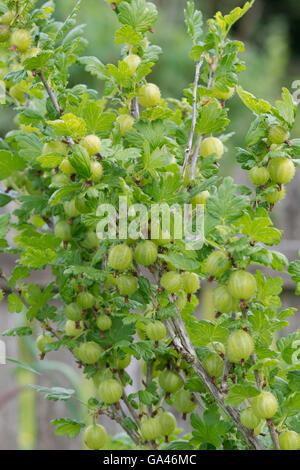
x=271, y=31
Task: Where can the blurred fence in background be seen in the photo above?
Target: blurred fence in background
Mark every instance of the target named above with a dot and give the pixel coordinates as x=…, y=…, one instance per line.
x=271, y=32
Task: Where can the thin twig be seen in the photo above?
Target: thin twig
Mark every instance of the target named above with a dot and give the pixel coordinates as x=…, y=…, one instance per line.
x=119, y=418
x=135, y=111
x=224, y=382
x=273, y=434
x=194, y=116
x=50, y=92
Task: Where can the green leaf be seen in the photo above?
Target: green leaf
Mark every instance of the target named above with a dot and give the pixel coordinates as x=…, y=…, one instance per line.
x=210, y=429
x=61, y=193
x=9, y=164
x=36, y=258
x=181, y=261
x=138, y=14
x=227, y=21
x=145, y=350
x=4, y=199
x=21, y=365
x=38, y=62
x=50, y=160
x=294, y=271
x=19, y=331
x=193, y=21
x=286, y=107
x=29, y=146
x=126, y=34
x=294, y=380
x=238, y=393
x=81, y=161
x=67, y=426
x=204, y=332
x=16, y=76
x=180, y=445
x=149, y=396
x=255, y=105
x=55, y=393
x=212, y=119
x=15, y=304
x=259, y=230
x=94, y=66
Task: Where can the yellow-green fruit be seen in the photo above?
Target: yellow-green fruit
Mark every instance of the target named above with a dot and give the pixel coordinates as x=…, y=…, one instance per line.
x=66, y=167
x=265, y=405
x=145, y=253
x=102, y=374
x=190, y=282
x=70, y=209
x=200, y=198
x=91, y=143
x=212, y=145
x=259, y=175
x=149, y=95
x=59, y=180
x=278, y=135
x=221, y=94
x=183, y=401
x=167, y=423
x=282, y=170
x=170, y=381
x=95, y=436
x=90, y=240
x=249, y=419
x=156, y=331
x=73, y=328
x=62, y=230
x=242, y=285
x=125, y=122
x=150, y=429
x=275, y=195
x=217, y=263
x=54, y=147
x=21, y=39
x=127, y=284
x=110, y=391
x=7, y=17
x=73, y=312
x=4, y=33
x=133, y=61
x=240, y=345
x=90, y=352
x=120, y=257
x=41, y=342
x=289, y=440
x=223, y=301
x=121, y=364
x=85, y=300
x=104, y=322
x=171, y=281
x=214, y=365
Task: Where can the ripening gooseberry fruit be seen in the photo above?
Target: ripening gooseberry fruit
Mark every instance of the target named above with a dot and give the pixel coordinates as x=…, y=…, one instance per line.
x=181, y=300
x=214, y=365
x=223, y=301
x=278, y=135
x=190, y=282
x=104, y=322
x=4, y=33
x=121, y=364
x=110, y=391
x=145, y=253
x=217, y=263
x=66, y=167
x=282, y=170
x=259, y=175
x=62, y=230
x=156, y=331
x=212, y=145
x=97, y=171
x=200, y=198
x=240, y=345
x=120, y=257
x=149, y=95
x=133, y=61
x=249, y=419
x=241, y=285
x=41, y=342
x=59, y=180
x=127, y=284
x=90, y=240
x=73, y=312
x=21, y=39
x=170, y=381
x=7, y=17
x=73, y=328
x=151, y=429
x=183, y=401
x=167, y=423
x=171, y=281
x=54, y=147
x=89, y=352
x=275, y=195
x=289, y=440
x=70, y=209
x=265, y=405
x=91, y=143
x=125, y=122
x=85, y=300
x=95, y=436
x=222, y=94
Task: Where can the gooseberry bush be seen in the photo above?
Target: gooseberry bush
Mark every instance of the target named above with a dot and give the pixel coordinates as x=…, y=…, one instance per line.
x=117, y=302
